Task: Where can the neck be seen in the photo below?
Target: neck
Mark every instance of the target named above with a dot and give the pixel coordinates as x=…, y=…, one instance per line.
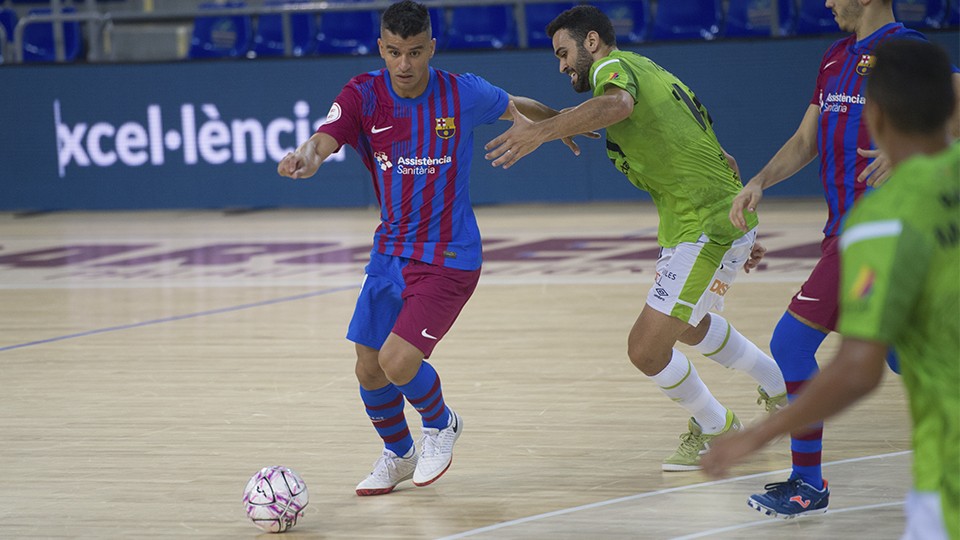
x=603, y=52
x=875, y=16
x=902, y=147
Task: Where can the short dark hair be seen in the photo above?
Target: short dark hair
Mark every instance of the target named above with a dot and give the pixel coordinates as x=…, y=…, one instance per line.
x=406, y=19
x=911, y=82
x=580, y=21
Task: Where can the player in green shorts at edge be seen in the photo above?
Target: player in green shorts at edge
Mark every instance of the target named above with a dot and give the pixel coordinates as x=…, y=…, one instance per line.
x=900, y=286
x=660, y=136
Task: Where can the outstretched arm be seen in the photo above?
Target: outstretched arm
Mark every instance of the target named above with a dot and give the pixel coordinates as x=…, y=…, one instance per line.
x=307, y=158
x=526, y=135
x=855, y=372
x=536, y=111
x=799, y=150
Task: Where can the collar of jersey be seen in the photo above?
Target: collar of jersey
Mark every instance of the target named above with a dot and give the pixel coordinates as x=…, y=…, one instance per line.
x=410, y=101
x=868, y=41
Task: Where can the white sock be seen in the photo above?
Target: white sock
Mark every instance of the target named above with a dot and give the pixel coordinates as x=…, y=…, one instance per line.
x=727, y=347
x=681, y=383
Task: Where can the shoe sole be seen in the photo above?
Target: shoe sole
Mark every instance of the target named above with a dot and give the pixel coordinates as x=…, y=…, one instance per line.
x=435, y=478
x=377, y=491
x=774, y=514
x=667, y=467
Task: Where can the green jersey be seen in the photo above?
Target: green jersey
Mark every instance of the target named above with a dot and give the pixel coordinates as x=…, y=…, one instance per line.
x=901, y=285
x=667, y=147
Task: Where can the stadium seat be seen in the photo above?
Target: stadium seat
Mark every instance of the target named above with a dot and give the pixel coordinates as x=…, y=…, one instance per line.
x=482, y=27
x=268, y=39
x=348, y=32
x=538, y=17
x=629, y=19
x=747, y=18
x=687, y=19
x=221, y=36
x=814, y=17
x=38, y=41
x=8, y=21
x=921, y=13
x=954, y=18
x=438, y=22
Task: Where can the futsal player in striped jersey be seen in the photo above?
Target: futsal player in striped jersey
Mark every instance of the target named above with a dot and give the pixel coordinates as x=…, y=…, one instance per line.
x=832, y=128
x=412, y=126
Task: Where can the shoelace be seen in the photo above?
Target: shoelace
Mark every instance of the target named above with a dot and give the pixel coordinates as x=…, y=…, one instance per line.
x=430, y=444
x=383, y=466
x=779, y=487
x=690, y=443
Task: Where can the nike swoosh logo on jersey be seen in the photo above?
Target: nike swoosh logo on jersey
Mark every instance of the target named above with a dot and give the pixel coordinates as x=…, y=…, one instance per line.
x=800, y=296
x=376, y=130
x=829, y=64
x=426, y=335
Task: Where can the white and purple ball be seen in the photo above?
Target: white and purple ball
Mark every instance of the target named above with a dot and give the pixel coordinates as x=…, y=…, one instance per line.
x=275, y=498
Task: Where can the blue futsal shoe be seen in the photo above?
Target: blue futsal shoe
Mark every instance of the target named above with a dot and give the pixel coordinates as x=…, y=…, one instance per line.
x=787, y=500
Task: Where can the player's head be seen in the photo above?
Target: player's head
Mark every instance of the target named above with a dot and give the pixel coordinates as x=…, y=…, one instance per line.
x=580, y=36
x=910, y=91
x=406, y=46
x=850, y=13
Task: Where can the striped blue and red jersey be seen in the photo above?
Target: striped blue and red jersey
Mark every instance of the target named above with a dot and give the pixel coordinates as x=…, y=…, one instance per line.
x=840, y=94
x=418, y=152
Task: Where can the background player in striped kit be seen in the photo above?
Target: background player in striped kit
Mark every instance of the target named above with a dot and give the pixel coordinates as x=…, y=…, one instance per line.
x=832, y=128
x=661, y=137
x=413, y=128
x=901, y=286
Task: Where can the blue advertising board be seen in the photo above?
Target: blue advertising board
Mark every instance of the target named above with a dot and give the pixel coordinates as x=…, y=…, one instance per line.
x=208, y=134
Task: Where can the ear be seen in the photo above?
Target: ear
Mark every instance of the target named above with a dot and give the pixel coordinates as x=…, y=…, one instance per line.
x=592, y=41
x=380, y=48
x=876, y=121
x=433, y=46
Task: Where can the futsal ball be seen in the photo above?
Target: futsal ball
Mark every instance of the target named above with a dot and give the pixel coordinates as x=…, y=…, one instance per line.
x=275, y=498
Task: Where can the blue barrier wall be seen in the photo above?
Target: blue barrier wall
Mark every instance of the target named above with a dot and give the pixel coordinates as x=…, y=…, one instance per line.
x=209, y=134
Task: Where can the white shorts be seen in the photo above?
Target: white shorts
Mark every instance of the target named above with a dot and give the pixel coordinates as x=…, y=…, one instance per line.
x=693, y=277
x=924, y=517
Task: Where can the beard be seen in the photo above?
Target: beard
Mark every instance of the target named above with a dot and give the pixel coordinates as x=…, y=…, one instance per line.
x=582, y=69
x=848, y=15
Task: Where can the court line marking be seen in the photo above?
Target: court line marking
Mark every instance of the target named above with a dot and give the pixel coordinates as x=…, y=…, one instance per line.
x=773, y=521
x=600, y=504
x=217, y=311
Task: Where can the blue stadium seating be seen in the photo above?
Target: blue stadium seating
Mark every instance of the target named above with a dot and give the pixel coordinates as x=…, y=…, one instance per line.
x=38, y=43
x=954, y=18
x=221, y=36
x=753, y=18
x=629, y=19
x=814, y=17
x=438, y=23
x=921, y=13
x=348, y=32
x=482, y=27
x=268, y=38
x=687, y=19
x=538, y=17
x=8, y=20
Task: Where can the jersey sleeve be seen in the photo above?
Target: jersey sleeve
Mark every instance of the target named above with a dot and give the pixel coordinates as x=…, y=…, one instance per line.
x=883, y=261
x=487, y=101
x=611, y=72
x=343, y=121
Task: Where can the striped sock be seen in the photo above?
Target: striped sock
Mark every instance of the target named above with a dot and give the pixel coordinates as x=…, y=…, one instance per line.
x=425, y=394
x=385, y=409
x=794, y=345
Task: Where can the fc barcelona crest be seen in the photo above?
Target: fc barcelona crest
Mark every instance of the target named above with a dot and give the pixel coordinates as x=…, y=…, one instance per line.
x=865, y=65
x=446, y=127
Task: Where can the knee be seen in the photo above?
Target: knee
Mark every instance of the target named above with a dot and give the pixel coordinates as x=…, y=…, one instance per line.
x=646, y=359
x=369, y=375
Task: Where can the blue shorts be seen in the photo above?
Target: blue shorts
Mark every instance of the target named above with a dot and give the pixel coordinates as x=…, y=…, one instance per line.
x=417, y=301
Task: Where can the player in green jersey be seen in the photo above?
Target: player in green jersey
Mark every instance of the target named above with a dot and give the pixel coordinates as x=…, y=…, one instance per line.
x=900, y=286
x=661, y=137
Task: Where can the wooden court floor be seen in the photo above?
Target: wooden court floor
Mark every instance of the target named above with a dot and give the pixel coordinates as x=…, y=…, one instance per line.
x=151, y=362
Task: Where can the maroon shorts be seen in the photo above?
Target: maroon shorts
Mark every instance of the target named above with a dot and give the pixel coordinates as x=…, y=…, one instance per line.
x=414, y=300
x=817, y=301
